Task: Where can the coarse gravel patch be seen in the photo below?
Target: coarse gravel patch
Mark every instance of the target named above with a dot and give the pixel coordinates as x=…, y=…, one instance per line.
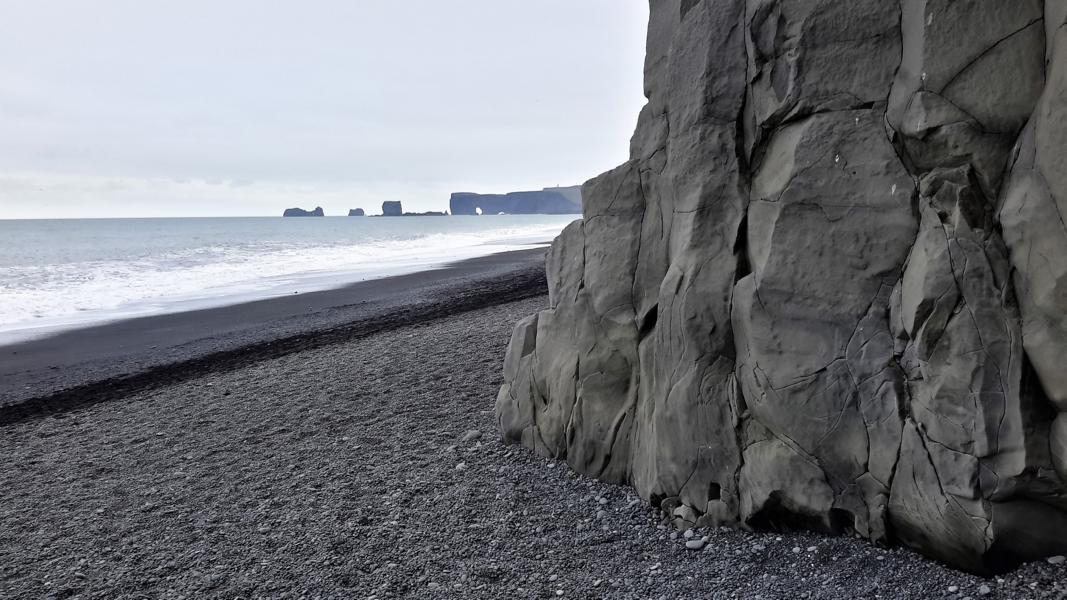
x=373, y=469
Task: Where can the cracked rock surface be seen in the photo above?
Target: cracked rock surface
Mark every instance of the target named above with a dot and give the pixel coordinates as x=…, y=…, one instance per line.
x=828, y=291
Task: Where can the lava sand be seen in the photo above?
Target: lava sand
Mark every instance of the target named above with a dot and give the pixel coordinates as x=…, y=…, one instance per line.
x=353, y=470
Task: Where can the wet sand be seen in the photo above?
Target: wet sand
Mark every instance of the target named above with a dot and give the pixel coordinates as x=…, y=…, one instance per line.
x=78, y=366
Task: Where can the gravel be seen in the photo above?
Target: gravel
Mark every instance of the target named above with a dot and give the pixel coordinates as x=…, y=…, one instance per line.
x=332, y=473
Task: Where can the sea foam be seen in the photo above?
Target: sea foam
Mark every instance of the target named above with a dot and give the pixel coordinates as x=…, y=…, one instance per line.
x=58, y=275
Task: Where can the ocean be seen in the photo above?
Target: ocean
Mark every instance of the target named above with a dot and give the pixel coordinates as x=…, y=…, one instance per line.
x=62, y=274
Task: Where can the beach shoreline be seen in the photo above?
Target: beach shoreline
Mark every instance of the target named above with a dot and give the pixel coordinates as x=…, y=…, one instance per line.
x=80, y=366
x=150, y=267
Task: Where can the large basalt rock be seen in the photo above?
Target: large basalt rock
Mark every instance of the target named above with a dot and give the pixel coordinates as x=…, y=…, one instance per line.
x=829, y=226
x=829, y=288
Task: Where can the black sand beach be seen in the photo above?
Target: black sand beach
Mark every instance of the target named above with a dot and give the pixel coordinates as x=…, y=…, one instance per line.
x=361, y=460
x=128, y=355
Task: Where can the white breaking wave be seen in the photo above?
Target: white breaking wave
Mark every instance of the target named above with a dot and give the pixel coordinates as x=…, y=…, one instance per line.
x=40, y=299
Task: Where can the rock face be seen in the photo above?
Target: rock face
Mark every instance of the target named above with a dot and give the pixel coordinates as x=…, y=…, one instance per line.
x=299, y=212
x=828, y=291
x=549, y=201
x=356, y=212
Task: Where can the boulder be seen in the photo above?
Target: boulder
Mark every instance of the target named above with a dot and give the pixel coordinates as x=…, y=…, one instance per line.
x=357, y=212
x=828, y=290
x=392, y=208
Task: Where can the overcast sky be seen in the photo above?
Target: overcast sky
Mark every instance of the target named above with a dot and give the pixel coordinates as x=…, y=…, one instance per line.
x=246, y=107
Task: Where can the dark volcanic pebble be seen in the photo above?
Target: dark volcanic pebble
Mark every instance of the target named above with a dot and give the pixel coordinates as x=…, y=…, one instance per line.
x=336, y=473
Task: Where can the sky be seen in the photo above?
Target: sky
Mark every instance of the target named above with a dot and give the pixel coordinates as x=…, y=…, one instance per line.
x=116, y=108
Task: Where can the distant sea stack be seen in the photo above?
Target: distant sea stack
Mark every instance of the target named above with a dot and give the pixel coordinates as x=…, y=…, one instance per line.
x=299, y=212
x=549, y=201
x=357, y=212
x=395, y=209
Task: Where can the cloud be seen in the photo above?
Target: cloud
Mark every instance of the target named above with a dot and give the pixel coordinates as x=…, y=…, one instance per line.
x=50, y=195
x=376, y=97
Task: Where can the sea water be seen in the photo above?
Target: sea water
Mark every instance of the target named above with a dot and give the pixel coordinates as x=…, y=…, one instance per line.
x=59, y=274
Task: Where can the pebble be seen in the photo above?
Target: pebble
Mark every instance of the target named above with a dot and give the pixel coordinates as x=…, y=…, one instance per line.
x=1055, y=560
x=812, y=549
x=461, y=466
x=761, y=568
x=985, y=590
x=689, y=534
x=952, y=589
x=797, y=550
x=471, y=435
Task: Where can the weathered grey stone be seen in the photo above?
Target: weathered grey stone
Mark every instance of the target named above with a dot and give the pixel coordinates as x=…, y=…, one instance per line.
x=970, y=73
x=1058, y=444
x=964, y=361
x=824, y=292
x=827, y=183
x=1032, y=216
x=1055, y=16
x=809, y=56
x=688, y=398
x=779, y=482
x=1032, y=209
x=956, y=48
